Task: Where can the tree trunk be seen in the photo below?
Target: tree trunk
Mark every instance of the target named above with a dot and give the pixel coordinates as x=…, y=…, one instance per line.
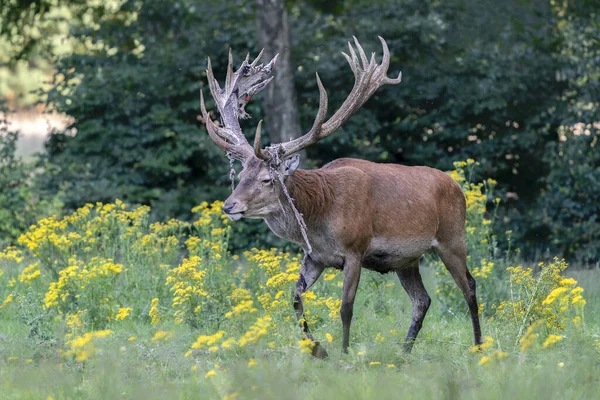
x=281, y=110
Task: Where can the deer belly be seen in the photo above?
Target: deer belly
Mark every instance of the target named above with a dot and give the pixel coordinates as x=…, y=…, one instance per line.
x=385, y=255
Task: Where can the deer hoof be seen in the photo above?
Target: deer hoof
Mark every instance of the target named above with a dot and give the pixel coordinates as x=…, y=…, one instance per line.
x=319, y=351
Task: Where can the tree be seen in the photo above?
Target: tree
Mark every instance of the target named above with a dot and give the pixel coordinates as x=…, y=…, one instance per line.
x=281, y=110
x=494, y=81
x=134, y=99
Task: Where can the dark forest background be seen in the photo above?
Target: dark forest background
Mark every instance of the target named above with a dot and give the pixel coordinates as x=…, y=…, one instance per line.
x=511, y=84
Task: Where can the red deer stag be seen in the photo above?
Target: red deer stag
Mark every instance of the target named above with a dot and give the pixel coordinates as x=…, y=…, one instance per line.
x=350, y=213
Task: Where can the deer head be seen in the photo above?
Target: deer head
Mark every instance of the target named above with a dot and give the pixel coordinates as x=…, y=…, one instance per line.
x=265, y=170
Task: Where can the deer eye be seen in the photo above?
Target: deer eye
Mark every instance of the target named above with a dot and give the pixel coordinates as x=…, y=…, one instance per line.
x=266, y=181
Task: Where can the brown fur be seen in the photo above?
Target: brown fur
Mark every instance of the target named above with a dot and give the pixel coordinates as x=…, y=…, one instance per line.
x=312, y=192
x=382, y=217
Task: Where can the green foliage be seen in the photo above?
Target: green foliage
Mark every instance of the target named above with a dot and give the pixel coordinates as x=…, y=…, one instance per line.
x=33, y=34
x=12, y=198
x=547, y=300
x=90, y=317
x=21, y=201
x=570, y=217
x=495, y=81
x=31, y=27
x=134, y=99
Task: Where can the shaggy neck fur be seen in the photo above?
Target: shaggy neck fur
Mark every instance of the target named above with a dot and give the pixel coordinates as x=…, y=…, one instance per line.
x=313, y=196
x=312, y=193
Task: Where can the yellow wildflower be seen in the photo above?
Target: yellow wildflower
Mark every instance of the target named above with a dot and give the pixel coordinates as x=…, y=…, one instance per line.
x=204, y=341
x=576, y=291
x=73, y=321
x=329, y=276
x=122, y=313
x=162, y=335
x=257, y=330
x=568, y=282
x=306, y=345
x=30, y=273
x=554, y=294
x=552, y=339
x=82, y=347
x=210, y=373
x=6, y=301
x=488, y=342
x=154, y=312
x=529, y=337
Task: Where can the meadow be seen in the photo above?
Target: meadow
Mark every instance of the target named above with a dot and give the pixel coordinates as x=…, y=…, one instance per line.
x=104, y=304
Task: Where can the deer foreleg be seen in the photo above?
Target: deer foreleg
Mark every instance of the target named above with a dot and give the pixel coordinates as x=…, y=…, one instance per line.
x=309, y=273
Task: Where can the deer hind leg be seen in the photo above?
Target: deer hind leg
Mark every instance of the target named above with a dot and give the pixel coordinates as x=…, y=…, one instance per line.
x=411, y=281
x=309, y=273
x=454, y=256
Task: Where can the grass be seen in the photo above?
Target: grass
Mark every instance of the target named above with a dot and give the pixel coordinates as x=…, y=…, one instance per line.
x=184, y=297
x=440, y=365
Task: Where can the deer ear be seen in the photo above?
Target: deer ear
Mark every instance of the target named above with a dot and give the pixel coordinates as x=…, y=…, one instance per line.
x=291, y=164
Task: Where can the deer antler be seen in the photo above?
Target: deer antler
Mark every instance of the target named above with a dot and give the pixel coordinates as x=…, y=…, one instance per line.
x=249, y=79
x=368, y=77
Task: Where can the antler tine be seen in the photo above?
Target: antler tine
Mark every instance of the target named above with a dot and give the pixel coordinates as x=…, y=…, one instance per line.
x=229, y=70
x=258, y=87
x=368, y=77
x=215, y=89
x=257, y=59
x=252, y=80
x=314, y=135
x=258, y=151
x=361, y=52
x=217, y=135
x=393, y=81
x=322, y=112
x=352, y=59
x=385, y=63
x=272, y=63
x=240, y=86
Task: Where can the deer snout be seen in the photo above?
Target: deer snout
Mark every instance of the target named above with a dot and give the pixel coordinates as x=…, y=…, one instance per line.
x=233, y=209
x=227, y=208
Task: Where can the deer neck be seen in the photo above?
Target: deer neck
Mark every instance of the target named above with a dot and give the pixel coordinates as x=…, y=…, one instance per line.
x=312, y=195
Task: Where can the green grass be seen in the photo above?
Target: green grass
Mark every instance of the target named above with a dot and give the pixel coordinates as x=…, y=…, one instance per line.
x=440, y=365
